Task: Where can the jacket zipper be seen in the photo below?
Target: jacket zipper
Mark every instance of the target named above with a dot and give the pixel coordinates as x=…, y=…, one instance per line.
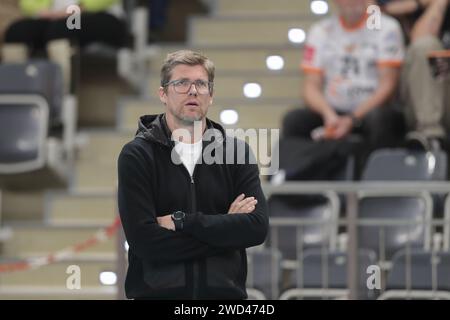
x=195, y=265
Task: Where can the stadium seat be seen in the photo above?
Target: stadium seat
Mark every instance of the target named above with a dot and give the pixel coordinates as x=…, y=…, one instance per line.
x=390, y=222
x=37, y=124
x=446, y=229
x=264, y=273
x=418, y=274
x=35, y=77
x=318, y=228
x=23, y=132
x=322, y=274
x=403, y=164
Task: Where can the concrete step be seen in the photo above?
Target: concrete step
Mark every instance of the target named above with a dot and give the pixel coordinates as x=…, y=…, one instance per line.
x=237, y=31
x=99, y=89
x=96, y=167
x=261, y=7
x=40, y=240
x=250, y=115
x=273, y=86
x=81, y=208
x=56, y=274
x=59, y=293
x=22, y=206
x=235, y=59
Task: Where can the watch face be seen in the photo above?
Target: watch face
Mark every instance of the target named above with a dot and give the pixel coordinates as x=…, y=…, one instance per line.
x=178, y=215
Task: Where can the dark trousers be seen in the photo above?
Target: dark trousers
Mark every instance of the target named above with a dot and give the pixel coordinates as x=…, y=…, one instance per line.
x=380, y=128
x=383, y=127
x=95, y=27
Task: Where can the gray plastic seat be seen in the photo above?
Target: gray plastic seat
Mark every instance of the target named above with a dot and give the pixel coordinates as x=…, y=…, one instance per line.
x=38, y=77
x=319, y=228
x=419, y=274
x=400, y=165
x=23, y=132
x=323, y=274
x=389, y=223
x=264, y=273
x=37, y=126
x=403, y=164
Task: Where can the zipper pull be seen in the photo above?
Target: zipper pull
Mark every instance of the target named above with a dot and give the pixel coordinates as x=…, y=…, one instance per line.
x=192, y=179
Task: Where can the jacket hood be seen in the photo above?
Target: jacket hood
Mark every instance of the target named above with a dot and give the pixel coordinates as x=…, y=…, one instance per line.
x=154, y=128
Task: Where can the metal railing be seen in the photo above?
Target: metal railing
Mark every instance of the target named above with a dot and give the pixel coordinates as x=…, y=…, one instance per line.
x=354, y=191
x=351, y=222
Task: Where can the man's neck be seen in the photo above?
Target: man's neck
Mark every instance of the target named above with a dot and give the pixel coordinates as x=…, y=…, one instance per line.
x=353, y=21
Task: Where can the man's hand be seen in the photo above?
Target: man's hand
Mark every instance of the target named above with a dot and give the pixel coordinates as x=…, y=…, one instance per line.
x=343, y=128
x=166, y=222
x=243, y=205
x=330, y=120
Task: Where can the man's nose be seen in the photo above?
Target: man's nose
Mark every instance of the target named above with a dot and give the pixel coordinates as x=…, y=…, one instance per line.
x=193, y=89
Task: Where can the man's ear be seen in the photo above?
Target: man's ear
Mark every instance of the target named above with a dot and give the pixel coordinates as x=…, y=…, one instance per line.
x=162, y=95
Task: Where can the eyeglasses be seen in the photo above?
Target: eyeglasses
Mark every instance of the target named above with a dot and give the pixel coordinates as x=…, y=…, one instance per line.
x=184, y=85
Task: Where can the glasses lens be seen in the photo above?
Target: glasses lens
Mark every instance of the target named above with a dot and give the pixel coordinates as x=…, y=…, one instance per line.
x=184, y=86
x=202, y=86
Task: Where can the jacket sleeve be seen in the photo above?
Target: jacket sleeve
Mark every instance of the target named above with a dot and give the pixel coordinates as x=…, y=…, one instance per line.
x=234, y=230
x=137, y=212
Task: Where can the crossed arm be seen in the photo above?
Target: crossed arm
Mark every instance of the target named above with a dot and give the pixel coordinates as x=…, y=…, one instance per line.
x=204, y=235
x=240, y=205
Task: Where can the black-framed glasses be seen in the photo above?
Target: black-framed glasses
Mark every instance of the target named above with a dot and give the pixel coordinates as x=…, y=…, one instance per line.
x=184, y=85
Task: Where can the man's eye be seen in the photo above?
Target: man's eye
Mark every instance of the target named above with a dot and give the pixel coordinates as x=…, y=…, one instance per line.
x=183, y=83
x=201, y=84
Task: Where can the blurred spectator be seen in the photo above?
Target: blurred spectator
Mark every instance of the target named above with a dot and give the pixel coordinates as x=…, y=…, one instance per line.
x=351, y=72
x=158, y=18
x=427, y=27
x=45, y=27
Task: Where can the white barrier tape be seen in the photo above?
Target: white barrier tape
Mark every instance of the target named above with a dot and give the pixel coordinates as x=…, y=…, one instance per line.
x=66, y=253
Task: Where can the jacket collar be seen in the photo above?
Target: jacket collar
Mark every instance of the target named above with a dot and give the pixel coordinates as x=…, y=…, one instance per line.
x=154, y=128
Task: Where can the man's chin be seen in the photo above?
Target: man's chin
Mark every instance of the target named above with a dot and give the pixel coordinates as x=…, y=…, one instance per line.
x=190, y=120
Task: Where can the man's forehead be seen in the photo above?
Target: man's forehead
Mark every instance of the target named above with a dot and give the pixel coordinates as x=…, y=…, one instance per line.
x=187, y=70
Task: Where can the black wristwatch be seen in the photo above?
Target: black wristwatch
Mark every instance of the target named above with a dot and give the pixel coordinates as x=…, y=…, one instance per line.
x=178, y=220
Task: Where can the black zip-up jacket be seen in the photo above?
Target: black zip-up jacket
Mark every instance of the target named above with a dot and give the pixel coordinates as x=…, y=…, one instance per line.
x=207, y=259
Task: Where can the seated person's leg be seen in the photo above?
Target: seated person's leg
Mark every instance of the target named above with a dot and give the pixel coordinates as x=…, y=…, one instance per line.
x=422, y=94
x=99, y=27
x=104, y=27
x=60, y=52
x=383, y=127
x=95, y=27
x=23, y=38
x=430, y=22
x=300, y=122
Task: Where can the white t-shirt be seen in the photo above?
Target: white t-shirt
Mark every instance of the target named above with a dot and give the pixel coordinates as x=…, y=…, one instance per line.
x=349, y=58
x=189, y=154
